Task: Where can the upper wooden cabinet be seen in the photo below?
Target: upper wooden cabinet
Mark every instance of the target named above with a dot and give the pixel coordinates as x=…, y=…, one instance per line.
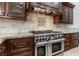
x=16, y=9
x=67, y=14
x=49, y=8
x=2, y=8
x=13, y=10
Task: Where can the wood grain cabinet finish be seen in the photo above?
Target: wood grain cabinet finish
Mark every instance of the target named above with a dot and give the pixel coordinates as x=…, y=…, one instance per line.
x=71, y=41
x=67, y=42
x=74, y=40
x=20, y=47
x=67, y=14
x=15, y=10
x=3, y=49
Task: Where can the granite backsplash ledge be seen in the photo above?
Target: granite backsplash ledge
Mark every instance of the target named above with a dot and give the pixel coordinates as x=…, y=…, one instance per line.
x=26, y=33
x=67, y=30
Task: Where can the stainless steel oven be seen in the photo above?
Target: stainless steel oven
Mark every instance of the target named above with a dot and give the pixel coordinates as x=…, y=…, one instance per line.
x=48, y=43
x=55, y=47
x=49, y=48
x=41, y=49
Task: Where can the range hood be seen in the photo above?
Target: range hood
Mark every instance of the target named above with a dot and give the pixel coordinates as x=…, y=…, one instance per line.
x=36, y=7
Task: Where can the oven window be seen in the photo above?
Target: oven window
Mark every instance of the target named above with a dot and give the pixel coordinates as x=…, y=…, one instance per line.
x=41, y=51
x=56, y=47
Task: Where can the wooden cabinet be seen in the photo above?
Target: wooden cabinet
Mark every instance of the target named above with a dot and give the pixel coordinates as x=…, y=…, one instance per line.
x=2, y=8
x=17, y=47
x=15, y=10
x=74, y=40
x=20, y=47
x=71, y=41
x=3, y=49
x=67, y=42
x=71, y=15
x=67, y=14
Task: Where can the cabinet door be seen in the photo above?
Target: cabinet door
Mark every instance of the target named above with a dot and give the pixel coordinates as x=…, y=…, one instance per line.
x=71, y=15
x=65, y=14
x=20, y=46
x=2, y=8
x=16, y=9
x=67, y=42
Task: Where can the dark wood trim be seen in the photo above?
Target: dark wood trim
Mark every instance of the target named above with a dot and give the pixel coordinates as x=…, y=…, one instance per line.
x=68, y=4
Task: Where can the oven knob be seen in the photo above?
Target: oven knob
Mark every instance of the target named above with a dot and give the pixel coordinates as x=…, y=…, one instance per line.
x=41, y=38
x=59, y=36
x=55, y=37
x=44, y=37
x=51, y=38
x=62, y=36
x=47, y=38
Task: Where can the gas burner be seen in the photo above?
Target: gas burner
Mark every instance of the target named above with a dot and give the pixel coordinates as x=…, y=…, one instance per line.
x=42, y=36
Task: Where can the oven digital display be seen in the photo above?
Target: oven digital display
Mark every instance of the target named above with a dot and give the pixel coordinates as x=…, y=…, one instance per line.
x=41, y=51
x=56, y=47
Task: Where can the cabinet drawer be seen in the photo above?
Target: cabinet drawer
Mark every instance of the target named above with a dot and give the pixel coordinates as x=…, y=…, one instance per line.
x=16, y=44
x=24, y=53
x=20, y=45
x=18, y=40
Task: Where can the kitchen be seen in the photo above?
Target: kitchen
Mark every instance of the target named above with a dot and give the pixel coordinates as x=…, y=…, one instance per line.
x=38, y=28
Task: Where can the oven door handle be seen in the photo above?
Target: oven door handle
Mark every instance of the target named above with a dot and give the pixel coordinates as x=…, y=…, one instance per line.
x=41, y=43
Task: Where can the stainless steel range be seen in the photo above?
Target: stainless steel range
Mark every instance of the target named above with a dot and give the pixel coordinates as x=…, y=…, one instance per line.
x=48, y=43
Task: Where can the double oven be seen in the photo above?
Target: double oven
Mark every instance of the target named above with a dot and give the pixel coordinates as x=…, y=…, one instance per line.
x=48, y=43
x=50, y=48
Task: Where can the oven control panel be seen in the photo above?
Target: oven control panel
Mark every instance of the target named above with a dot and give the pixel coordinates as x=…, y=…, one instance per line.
x=43, y=38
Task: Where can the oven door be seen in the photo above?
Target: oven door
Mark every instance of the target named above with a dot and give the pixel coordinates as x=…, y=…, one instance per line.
x=41, y=50
x=56, y=48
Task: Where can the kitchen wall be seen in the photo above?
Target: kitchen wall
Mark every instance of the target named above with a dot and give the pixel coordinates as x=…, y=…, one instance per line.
x=33, y=23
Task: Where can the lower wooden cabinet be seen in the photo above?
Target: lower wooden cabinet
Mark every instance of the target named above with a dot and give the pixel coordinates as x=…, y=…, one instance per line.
x=20, y=46
x=3, y=49
x=67, y=42
x=22, y=53
x=71, y=41
x=17, y=47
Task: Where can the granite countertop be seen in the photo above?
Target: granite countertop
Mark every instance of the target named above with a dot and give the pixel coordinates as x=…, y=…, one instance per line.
x=4, y=36
x=17, y=35
x=70, y=32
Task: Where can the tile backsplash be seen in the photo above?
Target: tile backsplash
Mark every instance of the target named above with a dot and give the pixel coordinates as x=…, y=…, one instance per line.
x=31, y=23
x=15, y=28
